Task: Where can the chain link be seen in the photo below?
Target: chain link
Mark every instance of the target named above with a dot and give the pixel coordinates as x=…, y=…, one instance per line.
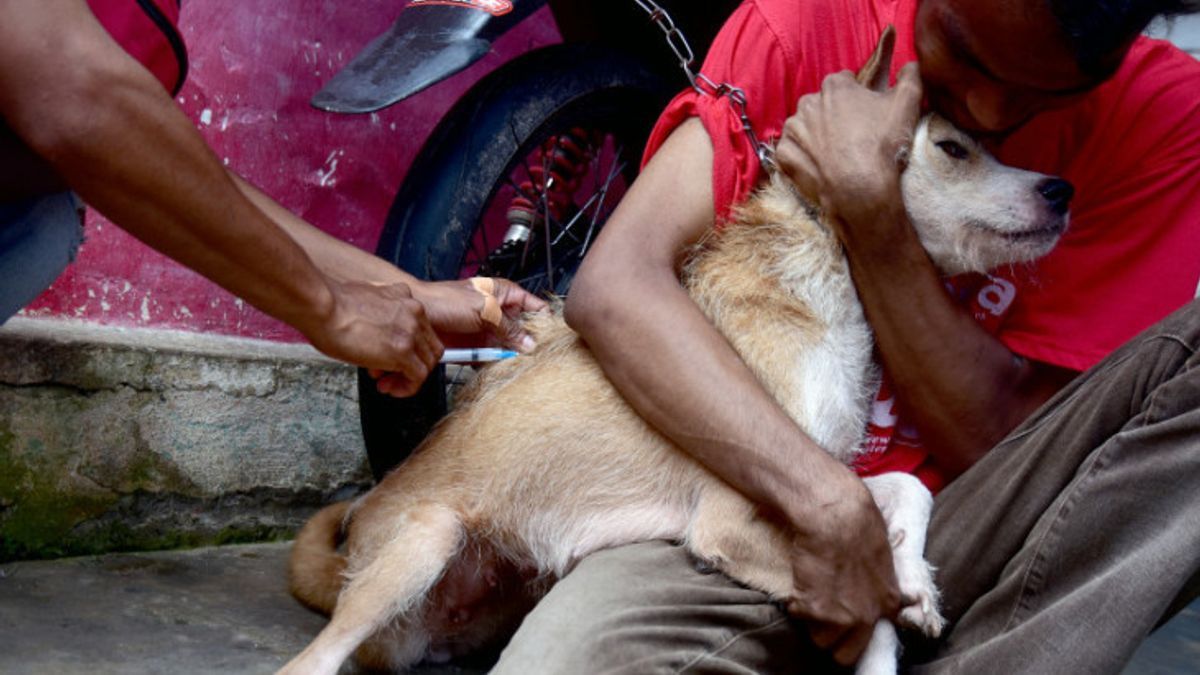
x=702, y=84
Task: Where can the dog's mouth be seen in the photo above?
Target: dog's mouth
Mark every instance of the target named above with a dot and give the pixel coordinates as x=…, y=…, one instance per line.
x=1033, y=234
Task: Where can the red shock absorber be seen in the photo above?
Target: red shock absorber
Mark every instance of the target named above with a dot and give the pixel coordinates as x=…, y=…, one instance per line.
x=554, y=176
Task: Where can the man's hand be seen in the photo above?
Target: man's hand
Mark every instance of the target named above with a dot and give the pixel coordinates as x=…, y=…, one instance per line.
x=845, y=147
x=381, y=327
x=389, y=295
x=454, y=309
x=844, y=577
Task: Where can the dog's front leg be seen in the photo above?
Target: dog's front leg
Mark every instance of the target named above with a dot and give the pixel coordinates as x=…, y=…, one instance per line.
x=906, y=504
x=394, y=582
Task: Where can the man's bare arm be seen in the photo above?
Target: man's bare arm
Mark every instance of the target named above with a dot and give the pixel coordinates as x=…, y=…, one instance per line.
x=97, y=121
x=107, y=127
x=454, y=308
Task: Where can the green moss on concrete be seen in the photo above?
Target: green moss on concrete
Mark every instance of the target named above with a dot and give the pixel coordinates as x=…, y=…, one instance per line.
x=107, y=447
x=119, y=536
x=46, y=514
x=143, y=469
x=41, y=507
x=37, y=514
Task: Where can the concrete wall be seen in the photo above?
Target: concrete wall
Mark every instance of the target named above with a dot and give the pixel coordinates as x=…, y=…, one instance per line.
x=120, y=439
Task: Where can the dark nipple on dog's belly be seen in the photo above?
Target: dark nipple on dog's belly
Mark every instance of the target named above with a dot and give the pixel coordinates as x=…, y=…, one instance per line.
x=479, y=601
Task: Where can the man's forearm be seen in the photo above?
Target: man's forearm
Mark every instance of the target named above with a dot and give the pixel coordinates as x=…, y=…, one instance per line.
x=172, y=194
x=964, y=389
x=666, y=358
x=117, y=138
x=335, y=257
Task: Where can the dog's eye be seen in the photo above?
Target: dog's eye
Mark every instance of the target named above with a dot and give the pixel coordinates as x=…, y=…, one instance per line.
x=953, y=149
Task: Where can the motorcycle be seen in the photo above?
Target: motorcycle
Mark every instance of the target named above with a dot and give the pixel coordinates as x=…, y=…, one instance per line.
x=523, y=170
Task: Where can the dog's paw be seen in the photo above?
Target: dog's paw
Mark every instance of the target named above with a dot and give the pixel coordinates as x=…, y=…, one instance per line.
x=923, y=615
x=917, y=588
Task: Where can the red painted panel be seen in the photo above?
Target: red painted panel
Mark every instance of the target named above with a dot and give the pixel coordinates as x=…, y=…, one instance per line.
x=254, y=66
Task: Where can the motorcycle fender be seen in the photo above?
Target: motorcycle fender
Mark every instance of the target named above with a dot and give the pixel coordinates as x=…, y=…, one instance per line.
x=430, y=41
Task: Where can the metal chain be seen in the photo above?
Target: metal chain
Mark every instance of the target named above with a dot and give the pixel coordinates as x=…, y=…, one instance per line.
x=702, y=84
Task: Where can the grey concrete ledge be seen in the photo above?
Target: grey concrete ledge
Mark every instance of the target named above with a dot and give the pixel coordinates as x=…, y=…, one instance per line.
x=125, y=439
x=68, y=331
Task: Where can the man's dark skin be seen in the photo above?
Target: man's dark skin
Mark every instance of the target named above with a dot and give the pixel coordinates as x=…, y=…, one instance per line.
x=988, y=65
x=77, y=111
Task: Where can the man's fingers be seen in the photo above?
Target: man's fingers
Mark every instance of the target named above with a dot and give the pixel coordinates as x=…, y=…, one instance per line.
x=799, y=166
x=415, y=347
x=838, y=80
x=852, y=645
x=516, y=299
x=844, y=642
x=429, y=350
x=394, y=384
x=826, y=635
x=513, y=335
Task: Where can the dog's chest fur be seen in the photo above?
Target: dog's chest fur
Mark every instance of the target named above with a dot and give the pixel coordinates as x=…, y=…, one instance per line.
x=776, y=284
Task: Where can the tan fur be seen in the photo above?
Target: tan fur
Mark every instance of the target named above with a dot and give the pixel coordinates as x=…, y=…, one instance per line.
x=316, y=568
x=543, y=462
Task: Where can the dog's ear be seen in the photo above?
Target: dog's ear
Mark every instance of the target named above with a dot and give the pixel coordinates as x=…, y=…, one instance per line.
x=874, y=74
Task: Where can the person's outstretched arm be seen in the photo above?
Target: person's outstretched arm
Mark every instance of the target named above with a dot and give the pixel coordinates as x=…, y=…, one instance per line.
x=110, y=131
x=454, y=308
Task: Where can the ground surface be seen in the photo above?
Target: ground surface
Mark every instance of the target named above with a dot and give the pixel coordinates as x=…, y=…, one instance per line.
x=226, y=610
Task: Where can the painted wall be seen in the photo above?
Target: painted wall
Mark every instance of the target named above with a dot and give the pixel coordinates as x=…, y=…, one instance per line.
x=254, y=66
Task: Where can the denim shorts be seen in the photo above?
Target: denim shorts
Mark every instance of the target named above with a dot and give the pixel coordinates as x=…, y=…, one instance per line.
x=38, y=239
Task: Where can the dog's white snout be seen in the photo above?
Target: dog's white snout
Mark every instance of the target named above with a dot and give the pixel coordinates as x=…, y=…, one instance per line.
x=1057, y=193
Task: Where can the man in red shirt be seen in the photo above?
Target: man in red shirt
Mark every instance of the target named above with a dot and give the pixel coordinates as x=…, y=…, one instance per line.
x=78, y=113
x=1071, y=537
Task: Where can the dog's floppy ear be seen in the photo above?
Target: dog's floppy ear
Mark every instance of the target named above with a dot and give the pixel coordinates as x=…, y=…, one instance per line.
x=874, y=74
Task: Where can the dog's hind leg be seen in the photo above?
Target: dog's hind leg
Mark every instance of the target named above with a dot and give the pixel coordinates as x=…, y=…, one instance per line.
x=394, y=582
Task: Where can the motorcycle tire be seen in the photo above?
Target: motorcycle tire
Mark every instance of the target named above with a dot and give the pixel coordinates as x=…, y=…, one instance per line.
x=452, y=188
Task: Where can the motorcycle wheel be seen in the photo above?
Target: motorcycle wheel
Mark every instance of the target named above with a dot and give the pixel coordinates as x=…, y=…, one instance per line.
x=449, y=219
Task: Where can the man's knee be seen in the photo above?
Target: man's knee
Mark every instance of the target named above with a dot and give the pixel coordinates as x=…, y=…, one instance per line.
x=645, y=608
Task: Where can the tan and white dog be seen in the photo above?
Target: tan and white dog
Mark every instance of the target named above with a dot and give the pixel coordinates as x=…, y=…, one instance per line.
x=545, y=462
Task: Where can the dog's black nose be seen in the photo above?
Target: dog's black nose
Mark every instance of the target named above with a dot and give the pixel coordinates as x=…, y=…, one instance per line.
x=1057, y=192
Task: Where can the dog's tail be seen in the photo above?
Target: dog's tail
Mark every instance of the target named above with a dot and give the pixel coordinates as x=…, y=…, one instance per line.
x=316, y=569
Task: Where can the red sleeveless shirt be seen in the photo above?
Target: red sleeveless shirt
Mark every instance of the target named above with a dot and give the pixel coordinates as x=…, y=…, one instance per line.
x=148, y=30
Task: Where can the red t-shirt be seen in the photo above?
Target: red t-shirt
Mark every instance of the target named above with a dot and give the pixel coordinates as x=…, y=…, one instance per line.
x=147, y=30
x=1131, y=148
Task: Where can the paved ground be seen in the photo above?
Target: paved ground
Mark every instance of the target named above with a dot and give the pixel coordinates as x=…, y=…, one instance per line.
x=217, y=610
x=226, y=610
